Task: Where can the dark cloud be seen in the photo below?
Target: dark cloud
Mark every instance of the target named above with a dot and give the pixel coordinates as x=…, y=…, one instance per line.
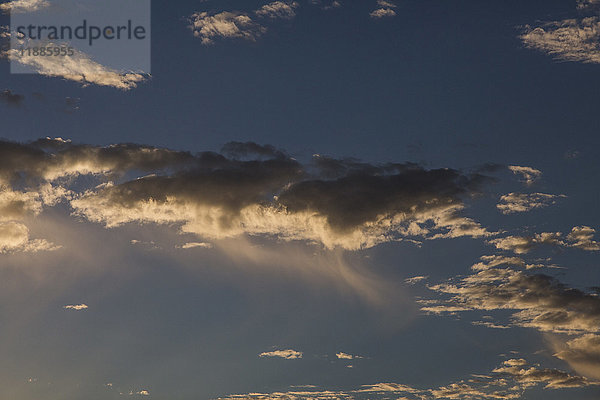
x=366, y=192
x=253, y=189
x=52, y=158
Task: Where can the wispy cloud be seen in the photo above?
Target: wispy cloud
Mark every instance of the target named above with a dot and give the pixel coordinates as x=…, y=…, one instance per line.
x=571, y=39
x=522, y=202
x=539, y=301
x=506, y=382
x=287, y=354
x=76, y=307
x=345, y=356
x=14, y=238
x=580, y=237
x=79, y=68
x=568, y=40
x=581, y=353
x=415, y=279
x=194, y=245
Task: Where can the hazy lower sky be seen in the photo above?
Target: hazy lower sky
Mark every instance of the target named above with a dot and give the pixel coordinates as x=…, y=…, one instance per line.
x=307, y=199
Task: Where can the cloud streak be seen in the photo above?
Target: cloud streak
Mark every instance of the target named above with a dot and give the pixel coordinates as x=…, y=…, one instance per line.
x=286, y=354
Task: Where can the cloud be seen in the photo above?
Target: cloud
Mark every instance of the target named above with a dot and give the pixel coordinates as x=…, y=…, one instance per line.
x=552, y=378
x=229, y=25
x=346, y=356
x=256, y=191
x=382, y=13
x=253, y=190
x=386, y=9
x=78, y=67
x=23, y=6
x=278, y=9
x=506, y=382
x=193, y=245
x=538, y=301
x=386, y=3
x=530, y=175
x=587, y=4
x=522, y=245
x=326, y=5
x=54, y=159
x=238, y=25
x=582, y=354
x=277, y=198
x=488, y=262
x=10, y=98
x=580, y=237
x=568, y=40
x=521, y=202
x=415, y=279
x=76, y=307
x=14, y=238
x=287, y=354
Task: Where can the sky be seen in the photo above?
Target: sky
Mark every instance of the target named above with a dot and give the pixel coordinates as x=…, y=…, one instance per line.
x=307, y=199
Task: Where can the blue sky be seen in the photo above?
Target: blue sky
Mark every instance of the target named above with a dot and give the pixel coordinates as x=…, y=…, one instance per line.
x=332, y=200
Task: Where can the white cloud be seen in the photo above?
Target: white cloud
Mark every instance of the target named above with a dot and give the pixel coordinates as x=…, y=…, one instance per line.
x=260, y=220
x=382, y=13
x=287, y=354
x=582, y=354
x=224, y=25
x=580, y=237
x=79, y=68
x=14, y=238
x=524, y=244
x=278, y=9
x=530, y=175
x=77, y=307
x=521, y=202
x=345, y=356
x=239, y=25
x=415, y=279
x=569, y=40
x=538, y=301
x=193, y=245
